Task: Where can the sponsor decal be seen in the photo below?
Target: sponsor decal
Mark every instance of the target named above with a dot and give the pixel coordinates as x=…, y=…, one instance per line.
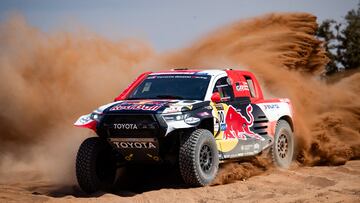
x=155, y=158
x=129, y=157
x=173, y=73
x=201, y=73
x=173, y=109
x=125, y=126
x=238, y=126
x=245, y=150
x=219, y=107
x=134, y=143
x=143, y=107
x=223, y=127
x=242, y=86
x=271, y=106
x=177, y=76
x=247, y=147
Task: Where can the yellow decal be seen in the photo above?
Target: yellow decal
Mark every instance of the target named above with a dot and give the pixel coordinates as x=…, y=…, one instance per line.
x=129, y=157
x=155, y=158
x=219, y=112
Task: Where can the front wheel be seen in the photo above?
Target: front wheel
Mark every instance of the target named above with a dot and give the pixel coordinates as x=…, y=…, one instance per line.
x=283, y=148
x=95, y=165
x=198, y=158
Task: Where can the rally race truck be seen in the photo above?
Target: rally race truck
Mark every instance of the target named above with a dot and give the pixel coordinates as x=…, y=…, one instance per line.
x=194, y=119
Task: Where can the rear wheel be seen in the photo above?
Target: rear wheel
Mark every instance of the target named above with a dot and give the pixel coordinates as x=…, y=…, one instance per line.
x=283, y=148
x=95, y=165
x=198, y=158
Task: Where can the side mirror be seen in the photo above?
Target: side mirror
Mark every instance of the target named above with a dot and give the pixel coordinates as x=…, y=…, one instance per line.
x=216, y=97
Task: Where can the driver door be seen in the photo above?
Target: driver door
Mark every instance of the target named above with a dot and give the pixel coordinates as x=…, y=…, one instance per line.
x=232, y=121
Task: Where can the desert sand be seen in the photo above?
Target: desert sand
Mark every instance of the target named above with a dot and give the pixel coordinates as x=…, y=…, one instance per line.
x=299, y=184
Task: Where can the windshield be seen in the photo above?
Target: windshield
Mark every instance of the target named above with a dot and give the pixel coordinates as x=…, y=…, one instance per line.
x=191, y=87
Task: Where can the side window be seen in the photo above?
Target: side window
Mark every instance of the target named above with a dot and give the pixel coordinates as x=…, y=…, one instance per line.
x=224, y=87
x=251, y=86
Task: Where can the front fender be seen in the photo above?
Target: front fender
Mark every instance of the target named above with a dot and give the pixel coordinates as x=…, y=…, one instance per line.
x=197, y=116
x=86, y=121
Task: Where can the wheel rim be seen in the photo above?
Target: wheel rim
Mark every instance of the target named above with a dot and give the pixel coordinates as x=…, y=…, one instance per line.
x=206, y=158
x=283, y=146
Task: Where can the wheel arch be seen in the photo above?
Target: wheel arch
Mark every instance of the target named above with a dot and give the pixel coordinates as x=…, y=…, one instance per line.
x=289, y=120
x=207, y=123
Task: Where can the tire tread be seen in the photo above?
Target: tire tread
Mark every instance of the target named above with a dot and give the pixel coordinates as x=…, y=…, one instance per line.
x=84, y=166
x=187, y=159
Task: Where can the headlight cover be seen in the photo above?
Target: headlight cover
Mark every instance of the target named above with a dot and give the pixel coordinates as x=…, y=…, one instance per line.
x=96, y=116
x=187, y=118
x=175, y=117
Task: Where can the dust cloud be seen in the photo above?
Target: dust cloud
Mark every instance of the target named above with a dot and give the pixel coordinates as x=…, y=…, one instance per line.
x=47, y=80
x=284, y=54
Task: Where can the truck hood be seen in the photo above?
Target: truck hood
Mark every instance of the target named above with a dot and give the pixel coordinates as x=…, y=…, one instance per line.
x=139, y=107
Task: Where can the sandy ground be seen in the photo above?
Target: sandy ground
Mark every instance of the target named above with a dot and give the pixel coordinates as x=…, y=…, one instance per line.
x=303, y=184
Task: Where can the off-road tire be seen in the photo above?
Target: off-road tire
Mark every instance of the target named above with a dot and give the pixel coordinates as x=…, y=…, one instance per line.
x=95, y=165
x=282, y=150
x=198, y=158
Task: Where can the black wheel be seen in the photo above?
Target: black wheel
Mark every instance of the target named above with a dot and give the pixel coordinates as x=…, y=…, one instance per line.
x=283, y=147
x=95, y=165
x=198, y=158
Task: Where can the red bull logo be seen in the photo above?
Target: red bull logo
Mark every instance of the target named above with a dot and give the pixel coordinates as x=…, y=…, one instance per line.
x=238, y=126
x=136, y=107
x=146, y=105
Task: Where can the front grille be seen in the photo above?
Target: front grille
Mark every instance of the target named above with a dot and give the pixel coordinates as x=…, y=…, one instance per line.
x=146, y=126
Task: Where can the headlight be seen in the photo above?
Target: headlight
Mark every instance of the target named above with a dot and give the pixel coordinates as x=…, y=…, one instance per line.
x=182, y=117
x=177, y=117
x=96, y=116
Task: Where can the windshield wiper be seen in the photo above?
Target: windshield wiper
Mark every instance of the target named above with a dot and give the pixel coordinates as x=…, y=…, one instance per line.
x=168, y=97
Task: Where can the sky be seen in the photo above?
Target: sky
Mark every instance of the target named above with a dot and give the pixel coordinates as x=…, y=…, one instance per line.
x=166, y=24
